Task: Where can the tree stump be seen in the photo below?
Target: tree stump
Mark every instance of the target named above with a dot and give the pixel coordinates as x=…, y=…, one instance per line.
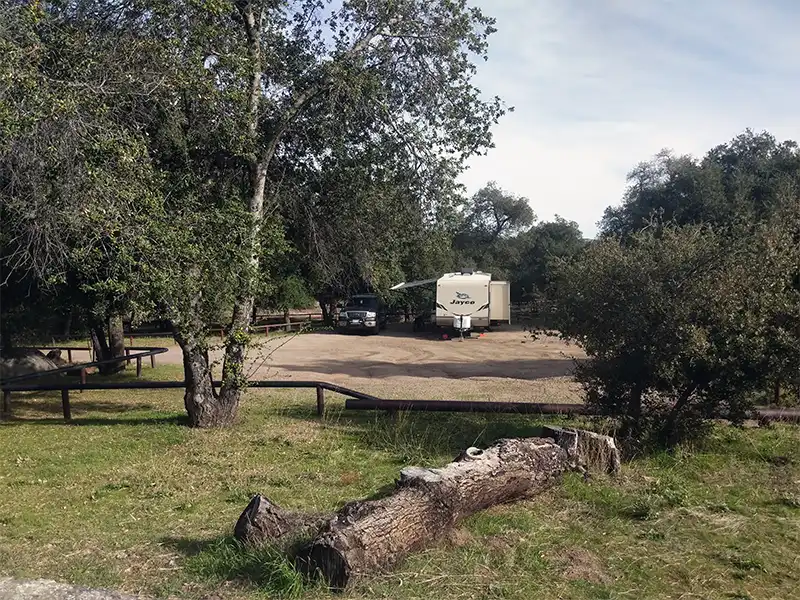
x=264, y=522
x=587, y=450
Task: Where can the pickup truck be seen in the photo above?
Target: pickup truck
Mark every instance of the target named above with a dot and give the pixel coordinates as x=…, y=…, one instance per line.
x=363, y=313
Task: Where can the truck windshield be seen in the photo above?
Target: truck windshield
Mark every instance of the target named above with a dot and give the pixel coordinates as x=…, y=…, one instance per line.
x=360, y=302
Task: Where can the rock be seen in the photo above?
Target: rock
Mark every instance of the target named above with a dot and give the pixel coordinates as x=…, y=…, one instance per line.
x=44, y=589
x=22, y=361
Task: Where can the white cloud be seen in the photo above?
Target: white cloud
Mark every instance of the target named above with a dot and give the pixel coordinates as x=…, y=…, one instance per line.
x=600, y=85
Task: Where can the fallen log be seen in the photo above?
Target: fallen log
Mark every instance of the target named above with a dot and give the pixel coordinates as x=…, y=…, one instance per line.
x=374, y=535
x=369, y=536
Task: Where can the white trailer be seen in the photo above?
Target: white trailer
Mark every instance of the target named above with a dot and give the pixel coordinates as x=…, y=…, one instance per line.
x=468, y=299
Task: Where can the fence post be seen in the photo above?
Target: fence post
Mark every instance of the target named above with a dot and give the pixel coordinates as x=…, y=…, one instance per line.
x=138, y=366
x=153, y=361
x=320, y=400
x=128, y=356
x=131, y=338
x=69, y=355
x=65, y=404
x=6, y=403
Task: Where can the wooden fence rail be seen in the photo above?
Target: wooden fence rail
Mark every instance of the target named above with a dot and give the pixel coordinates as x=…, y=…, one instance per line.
x=355, y=400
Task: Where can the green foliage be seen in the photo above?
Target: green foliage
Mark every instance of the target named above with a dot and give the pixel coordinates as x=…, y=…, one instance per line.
x=79, y=190
x=291, y=292
x=367, y=224
x=496, y=234
x=682, y=324
x=745, y=179
x=537, y=254
x=689, y=305
x=489, y=219
x=150, y=178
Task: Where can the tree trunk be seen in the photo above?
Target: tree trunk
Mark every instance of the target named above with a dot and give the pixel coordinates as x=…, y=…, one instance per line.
x=200, y=398
x=264, y=523
x=68, y=322
x=116, y=342
x=234, y=378
x=102, y=331
x=669, y=434
x=99, y=343
x=326, y=314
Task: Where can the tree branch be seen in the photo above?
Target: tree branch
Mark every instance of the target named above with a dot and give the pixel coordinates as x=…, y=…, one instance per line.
x=304, y=97
x=252, y=27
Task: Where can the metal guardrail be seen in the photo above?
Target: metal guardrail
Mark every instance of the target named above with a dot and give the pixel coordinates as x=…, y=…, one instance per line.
x=151, y=352
x=356, y=400
x=21, y=383
x=791, y=415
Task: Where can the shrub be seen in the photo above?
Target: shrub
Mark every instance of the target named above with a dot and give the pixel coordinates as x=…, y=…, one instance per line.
x=682, y=324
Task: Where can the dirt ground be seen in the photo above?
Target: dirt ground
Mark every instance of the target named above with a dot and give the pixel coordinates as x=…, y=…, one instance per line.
x=505, y=364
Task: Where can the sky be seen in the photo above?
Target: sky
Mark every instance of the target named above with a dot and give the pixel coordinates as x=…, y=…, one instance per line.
x=601, y=85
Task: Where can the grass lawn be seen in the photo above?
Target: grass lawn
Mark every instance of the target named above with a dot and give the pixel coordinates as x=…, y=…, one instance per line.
x=129, y=498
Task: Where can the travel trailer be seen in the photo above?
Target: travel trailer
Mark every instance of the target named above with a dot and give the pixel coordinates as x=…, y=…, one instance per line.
x=468, y=299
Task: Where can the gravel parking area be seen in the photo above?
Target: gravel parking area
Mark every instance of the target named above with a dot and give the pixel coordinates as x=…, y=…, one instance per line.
x=505, y=364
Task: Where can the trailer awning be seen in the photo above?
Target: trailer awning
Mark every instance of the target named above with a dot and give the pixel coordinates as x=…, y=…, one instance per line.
x=410, y=284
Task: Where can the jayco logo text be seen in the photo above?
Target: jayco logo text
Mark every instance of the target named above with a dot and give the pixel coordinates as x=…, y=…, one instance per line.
x=463, y=298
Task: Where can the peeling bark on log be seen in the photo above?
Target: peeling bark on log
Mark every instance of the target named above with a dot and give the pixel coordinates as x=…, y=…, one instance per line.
x=374, y=535
x=587, y=450
x=264, y=522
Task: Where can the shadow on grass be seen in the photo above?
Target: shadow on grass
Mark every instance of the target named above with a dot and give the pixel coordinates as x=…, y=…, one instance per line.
x=526, y=369
x=155, y=419
x=50, y=402
x=225, y=559
x=419, y=437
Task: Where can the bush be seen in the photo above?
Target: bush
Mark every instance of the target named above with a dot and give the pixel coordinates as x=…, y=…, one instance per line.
x=682, y=324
